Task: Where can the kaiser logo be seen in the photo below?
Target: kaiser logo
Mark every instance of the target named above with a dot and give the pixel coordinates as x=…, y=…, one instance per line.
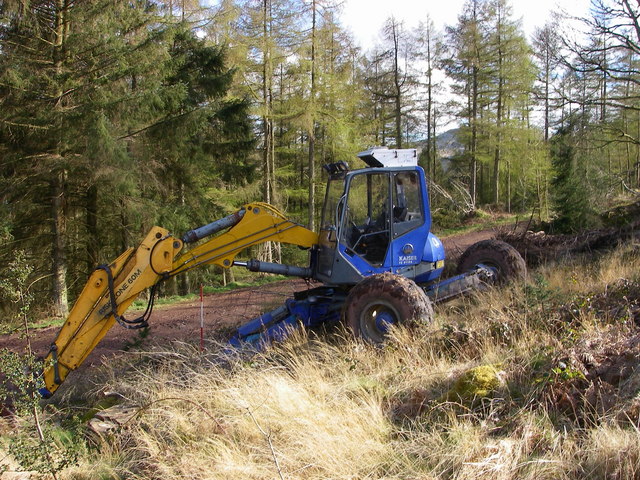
x=407, y=259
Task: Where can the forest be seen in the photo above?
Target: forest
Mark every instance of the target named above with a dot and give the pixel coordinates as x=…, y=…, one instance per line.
x=119, y=115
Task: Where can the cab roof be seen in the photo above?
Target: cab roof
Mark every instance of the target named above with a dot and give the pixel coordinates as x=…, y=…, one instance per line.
x=384, y=157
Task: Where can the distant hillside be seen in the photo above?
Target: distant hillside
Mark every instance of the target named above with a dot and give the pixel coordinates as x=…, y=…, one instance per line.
x=448, y=145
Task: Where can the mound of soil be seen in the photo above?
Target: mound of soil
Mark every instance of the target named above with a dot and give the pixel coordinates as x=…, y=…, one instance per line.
x=622, y=224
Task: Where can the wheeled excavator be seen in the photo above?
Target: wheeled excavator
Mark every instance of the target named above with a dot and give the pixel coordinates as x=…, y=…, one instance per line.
x=375, y=260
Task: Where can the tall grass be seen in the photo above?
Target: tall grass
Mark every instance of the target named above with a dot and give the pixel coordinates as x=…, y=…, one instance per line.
x=329, y=407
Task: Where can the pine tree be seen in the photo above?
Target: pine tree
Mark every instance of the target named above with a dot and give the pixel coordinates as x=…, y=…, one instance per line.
x=76, y=123
x=572, y=203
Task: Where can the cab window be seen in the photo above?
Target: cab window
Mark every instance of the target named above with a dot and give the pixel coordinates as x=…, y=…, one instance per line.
x=407, y=203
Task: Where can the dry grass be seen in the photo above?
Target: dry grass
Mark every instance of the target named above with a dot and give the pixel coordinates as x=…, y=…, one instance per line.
x=611, y=452
x=583, y=274
x=332, y=408
x=288, y=416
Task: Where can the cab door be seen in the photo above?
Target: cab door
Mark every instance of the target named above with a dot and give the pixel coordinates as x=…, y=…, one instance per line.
x=410, y=222
x=365, y=230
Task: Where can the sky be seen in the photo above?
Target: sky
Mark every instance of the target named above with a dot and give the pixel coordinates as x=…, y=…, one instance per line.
x=365, y=17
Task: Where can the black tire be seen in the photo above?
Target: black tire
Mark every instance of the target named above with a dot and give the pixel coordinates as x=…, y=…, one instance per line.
x=383, y=299
x=500, y=256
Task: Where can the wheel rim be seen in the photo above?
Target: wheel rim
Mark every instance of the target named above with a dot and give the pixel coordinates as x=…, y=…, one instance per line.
x=376, y=318
x=493, y=268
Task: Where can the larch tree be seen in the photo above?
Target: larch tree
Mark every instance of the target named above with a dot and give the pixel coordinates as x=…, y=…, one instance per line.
x=392, y=83
x=268, y=28
x=326, y=92
x=399, y=75
x=467, y=64
x=546, y=48
x=340, y=92
x=512, y=76
x=607, y=63
x=311, y=166
x=379, y=92
x=430, y=47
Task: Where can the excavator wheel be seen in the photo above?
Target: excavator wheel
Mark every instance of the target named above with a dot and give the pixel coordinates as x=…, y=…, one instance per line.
x=501, y=257
x=382, y=300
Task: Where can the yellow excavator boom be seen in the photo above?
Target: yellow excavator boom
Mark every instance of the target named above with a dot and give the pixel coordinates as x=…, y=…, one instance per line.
x=112, y=288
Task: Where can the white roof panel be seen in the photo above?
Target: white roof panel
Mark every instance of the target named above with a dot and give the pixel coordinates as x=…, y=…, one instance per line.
x=385, y=157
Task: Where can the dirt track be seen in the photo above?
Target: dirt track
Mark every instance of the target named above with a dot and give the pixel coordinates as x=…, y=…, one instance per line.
x=222, y=311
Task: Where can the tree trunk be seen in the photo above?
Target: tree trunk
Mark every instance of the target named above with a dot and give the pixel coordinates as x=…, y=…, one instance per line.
x=637, y=162
x=509, y=187
x=499, y=114
x=398, y=87
x=58, y=180
x=398, y=97
x=312, y=133
x=547, y=80
x=431, y=131
x=184, y=284
x=93, y=242
x=268, y=153
x=474, y=138
x=59, y=236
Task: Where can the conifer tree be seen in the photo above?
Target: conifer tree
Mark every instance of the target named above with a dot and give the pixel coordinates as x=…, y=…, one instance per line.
x=573, y=208
x=491, y=67
x=76, y=123
x=55, y=73
x=393, y=82
x=546, y=48
x=512, y=75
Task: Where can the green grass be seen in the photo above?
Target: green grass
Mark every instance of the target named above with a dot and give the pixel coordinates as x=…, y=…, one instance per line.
x=36, y=324
x=482, y=222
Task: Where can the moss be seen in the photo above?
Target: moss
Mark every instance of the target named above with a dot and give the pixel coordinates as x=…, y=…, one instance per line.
x=476, y=383
x=102, y=404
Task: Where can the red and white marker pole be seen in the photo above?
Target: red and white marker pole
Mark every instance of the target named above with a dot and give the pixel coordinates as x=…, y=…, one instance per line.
x=201, y=320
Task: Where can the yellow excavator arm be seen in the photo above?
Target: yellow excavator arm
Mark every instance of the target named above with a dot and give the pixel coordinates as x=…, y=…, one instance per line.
x=112, y=288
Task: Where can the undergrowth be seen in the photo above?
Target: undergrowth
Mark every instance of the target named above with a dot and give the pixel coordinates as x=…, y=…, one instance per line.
x=446, y=223
x=539, y=380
